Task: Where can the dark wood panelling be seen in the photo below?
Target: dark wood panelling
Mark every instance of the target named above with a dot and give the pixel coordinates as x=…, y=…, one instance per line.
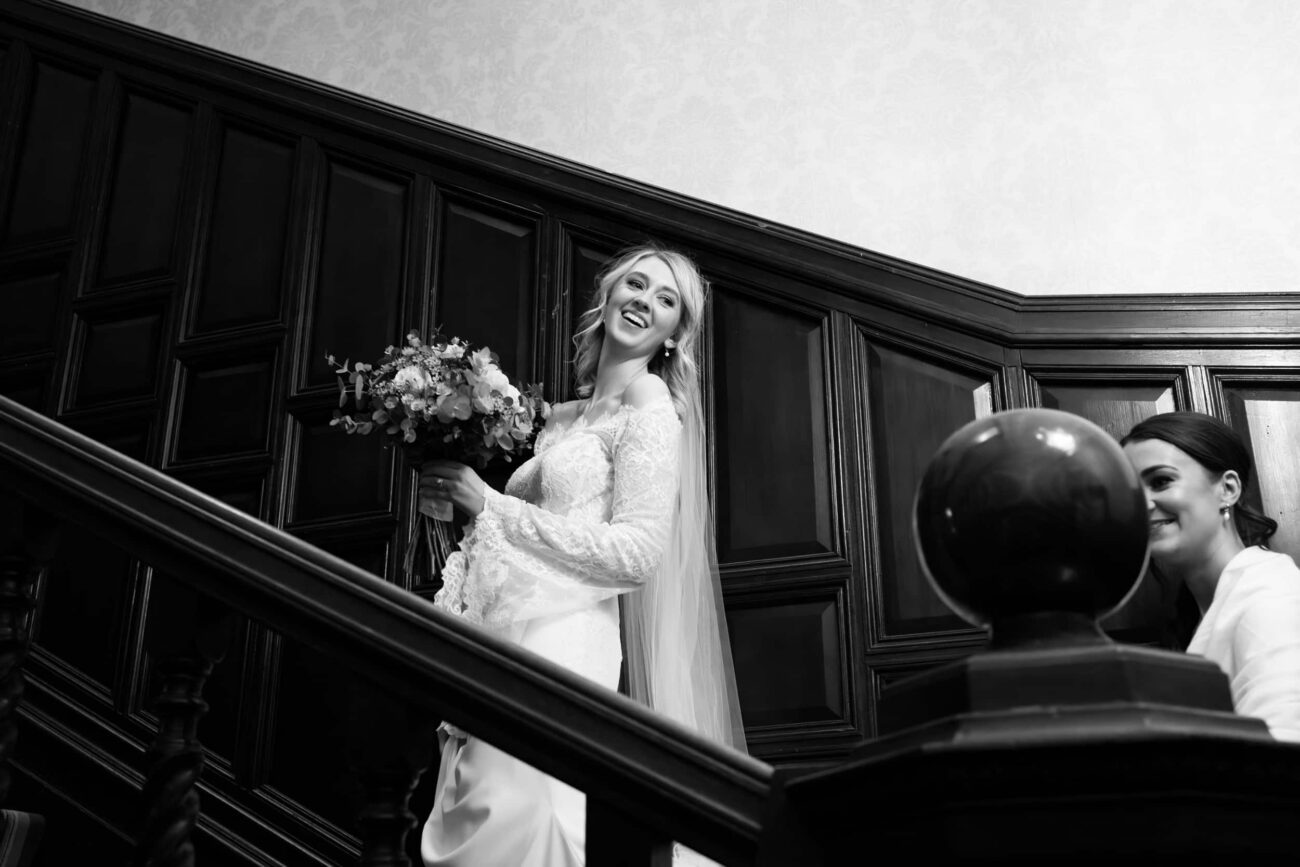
x=356, y=307
x=585, y=259
x=47, y=179
x=370, y=554
x=144, y=207
x=117, y=359
x=487, y=280
x=881, y=676
x=1265, y=410
x=363, y=223
x=914, y=402
x=338, y=475
x=172, y=605
x=224, y=407
x=93, y=839
x=83, y=607
x=31, y=304
x=581, y=255
x=245, y=250
x=27, y=382
x=789, y=657
x=312, y=690
x=773, y=460
x=1113, y=400
x=128, y=434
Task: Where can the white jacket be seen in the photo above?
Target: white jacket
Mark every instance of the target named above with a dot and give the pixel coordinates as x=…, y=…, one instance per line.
x=1252, y=631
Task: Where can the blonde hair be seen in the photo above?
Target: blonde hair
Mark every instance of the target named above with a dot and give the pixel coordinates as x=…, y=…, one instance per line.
x=680, y=369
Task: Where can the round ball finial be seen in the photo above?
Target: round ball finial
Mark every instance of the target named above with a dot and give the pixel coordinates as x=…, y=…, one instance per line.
x=1031, y=513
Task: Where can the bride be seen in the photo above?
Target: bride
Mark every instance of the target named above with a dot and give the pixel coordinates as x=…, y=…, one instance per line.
x=612, y=504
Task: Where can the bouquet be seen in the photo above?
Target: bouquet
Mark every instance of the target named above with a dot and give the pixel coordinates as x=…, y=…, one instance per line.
x=441, y=399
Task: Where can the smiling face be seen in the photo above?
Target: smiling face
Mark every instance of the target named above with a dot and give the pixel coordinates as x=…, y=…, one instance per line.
x=1184, y=500
x=643, y=308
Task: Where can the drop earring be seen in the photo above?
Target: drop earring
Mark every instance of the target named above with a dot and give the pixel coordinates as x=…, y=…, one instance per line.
x=668, y=346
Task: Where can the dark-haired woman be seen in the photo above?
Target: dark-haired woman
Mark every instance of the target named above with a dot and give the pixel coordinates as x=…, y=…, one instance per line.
x=1195, y=469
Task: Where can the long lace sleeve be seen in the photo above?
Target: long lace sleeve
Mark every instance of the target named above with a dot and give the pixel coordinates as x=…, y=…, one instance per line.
x=520, y=561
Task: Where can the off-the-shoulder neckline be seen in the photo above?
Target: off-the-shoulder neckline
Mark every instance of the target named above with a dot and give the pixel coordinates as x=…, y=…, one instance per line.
x=580, y=420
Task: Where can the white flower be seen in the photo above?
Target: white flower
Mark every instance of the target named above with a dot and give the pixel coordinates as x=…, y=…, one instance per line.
x=413, y=379
x=483, y=400
x=481, y=359
x=495, y=380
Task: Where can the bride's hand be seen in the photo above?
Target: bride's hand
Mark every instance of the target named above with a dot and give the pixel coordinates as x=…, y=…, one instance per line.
x=454, y=482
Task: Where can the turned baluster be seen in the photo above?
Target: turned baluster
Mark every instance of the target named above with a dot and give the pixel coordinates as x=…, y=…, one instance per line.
x=26, y=546
x=187, y=648
x=392, y=745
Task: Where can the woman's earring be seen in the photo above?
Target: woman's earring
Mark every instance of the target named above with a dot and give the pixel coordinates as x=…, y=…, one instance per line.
x=1226, y=511
x=668, y=345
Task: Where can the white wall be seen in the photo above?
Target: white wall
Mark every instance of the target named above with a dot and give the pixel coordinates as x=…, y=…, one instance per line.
x=1041, y=146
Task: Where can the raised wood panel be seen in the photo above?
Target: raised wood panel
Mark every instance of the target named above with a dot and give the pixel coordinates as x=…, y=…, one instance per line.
x=914, y=402
x=356, y=302
x=173, y=607
x=30, y=305
x=337, y=475
x=127, y=434
x=789, y=654
x=148, y=179
x=583, y=259
x=1267, y=415
x=774, y=494
x=84, y=601
x=487, y=280
x=28, y=383
x=240, y=485
x=586, y=258
x=1113, y=406
x=310, y=703
x=370, y=554
x=224, y=407
x=47, y=181
x=118, y=358
x=245, y=241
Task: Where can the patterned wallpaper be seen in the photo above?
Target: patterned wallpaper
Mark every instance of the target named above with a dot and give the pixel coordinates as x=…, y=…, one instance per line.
x=1041, y=146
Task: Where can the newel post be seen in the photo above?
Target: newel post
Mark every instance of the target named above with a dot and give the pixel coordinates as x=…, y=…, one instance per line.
x=186, y=644
x=27, y=542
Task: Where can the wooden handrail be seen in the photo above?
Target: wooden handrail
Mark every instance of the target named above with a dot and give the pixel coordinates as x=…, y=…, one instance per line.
x=669, y=778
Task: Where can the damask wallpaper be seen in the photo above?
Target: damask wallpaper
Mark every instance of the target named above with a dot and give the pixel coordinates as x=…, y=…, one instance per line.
x=1041, y=146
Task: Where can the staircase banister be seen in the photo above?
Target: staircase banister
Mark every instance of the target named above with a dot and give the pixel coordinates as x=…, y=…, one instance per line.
x=676, y=782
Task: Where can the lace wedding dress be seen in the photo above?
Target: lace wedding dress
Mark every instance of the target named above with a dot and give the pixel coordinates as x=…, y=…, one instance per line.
x=582, y=521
